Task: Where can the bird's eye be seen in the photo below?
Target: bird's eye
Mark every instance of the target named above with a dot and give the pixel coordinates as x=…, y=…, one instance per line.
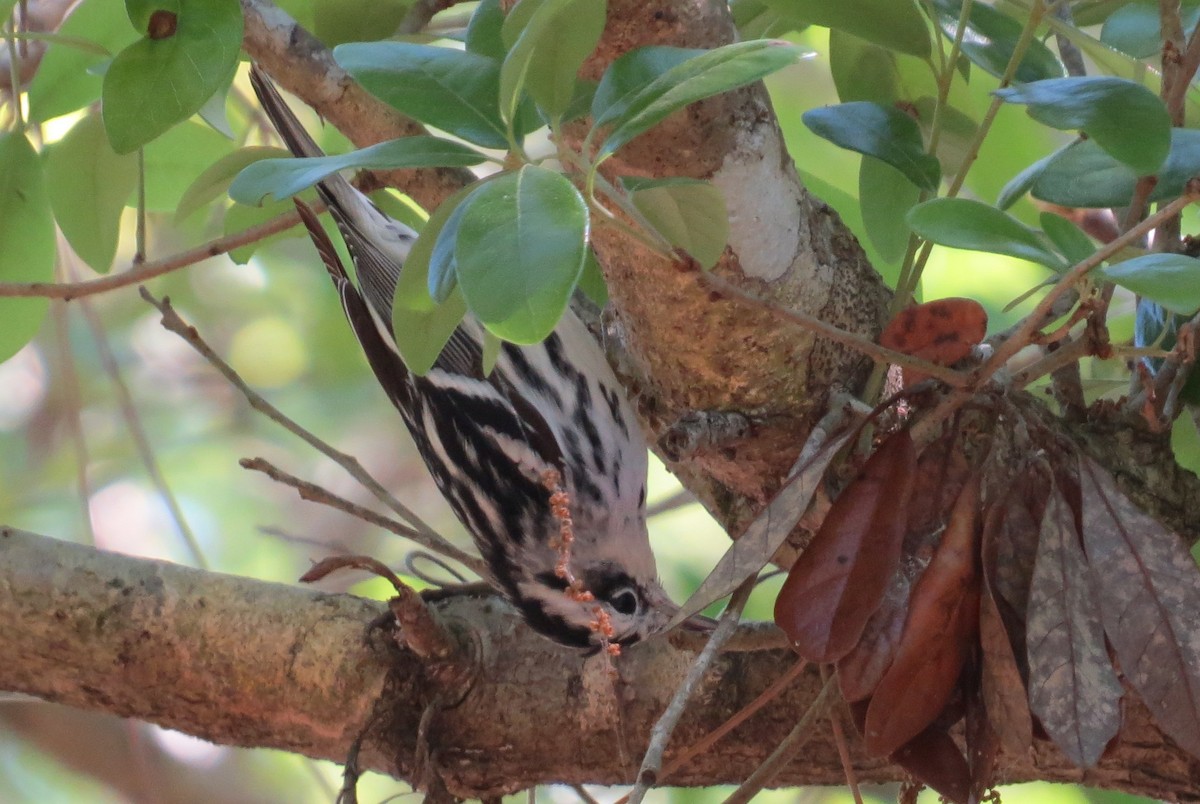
x=624, y=601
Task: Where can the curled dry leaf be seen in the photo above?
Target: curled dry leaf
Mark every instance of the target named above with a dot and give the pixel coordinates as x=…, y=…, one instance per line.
x=1001, y=684
x=943, y=332
x=942, y=620
x=935, y=760
x=839, y=580
x=1072, y=686
x=1149, y=596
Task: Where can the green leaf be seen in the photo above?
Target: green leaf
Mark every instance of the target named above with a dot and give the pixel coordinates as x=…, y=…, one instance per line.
x=520, y=250
x=1084, y=175
x=338, y=21
x=239, y=218
x=862, y=71
x=966, y=224
x=27, y=232
x=886, y=196
x=991, y=39
x=174, y=160
x=483, y=31
x=453, y=90
x=443, y=267
x=689, y=213
x=158, y=82
x=629, y=75
x=63, y=81
x=591, y=280
x=1018, y=185
x=215, y=181
x=490, y=352
x=1136, y=29
x=1067, y=237
x=420, y=325
x=883, y=132
x=282, y=178
x=754, y=20
x=702, y=76
x=88, y=186
x=549, y=41
x=1171, y=280
x=1124, y=118
x=413, y=287
x=894, y=24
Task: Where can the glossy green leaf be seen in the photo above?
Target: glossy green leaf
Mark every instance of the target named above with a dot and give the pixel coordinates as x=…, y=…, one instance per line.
x=549, y=39
x=27, y=232
x=453, y=90
x=158, y=82
x=89, y=185
x=1124, y=118
x=689, y=213
x=711, y=73
x=630, y=74
x=520, y=249
x=63, y=82
x=886, y=196
x=443, y=266
x=962, y=223
x=1018, y=185
x=1068, y=238
x=1085, y=175
x=483, y=31
x=883, y=132
x=895, y=24
x=215, y=180
x=420, y=325
x=991, y=39
x=1172, y=280
x=281, y=178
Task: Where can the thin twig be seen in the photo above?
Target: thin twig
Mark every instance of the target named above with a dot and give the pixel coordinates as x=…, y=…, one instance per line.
x=584, y=795
x=311, y=492
x=137, y=433
x=787, y=749
x=150, y=270
x=773, y=691
x=661, y=733
x=839, y=739
x=73, y=407
x=1024, y=332
x=422, y=534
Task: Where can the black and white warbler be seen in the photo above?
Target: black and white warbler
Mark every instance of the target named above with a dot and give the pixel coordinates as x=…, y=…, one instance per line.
x=489, y=441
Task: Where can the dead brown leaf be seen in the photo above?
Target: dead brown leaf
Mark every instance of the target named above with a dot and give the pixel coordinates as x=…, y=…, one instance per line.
x=839, y=580
x=1072, y=686
x=1148, y=589
x=942, y=620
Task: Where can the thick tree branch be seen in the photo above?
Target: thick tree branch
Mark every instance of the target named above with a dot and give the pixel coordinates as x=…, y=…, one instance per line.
x=242, y=662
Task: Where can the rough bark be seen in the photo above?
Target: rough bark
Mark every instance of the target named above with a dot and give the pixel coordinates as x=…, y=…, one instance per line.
x=242, y=662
